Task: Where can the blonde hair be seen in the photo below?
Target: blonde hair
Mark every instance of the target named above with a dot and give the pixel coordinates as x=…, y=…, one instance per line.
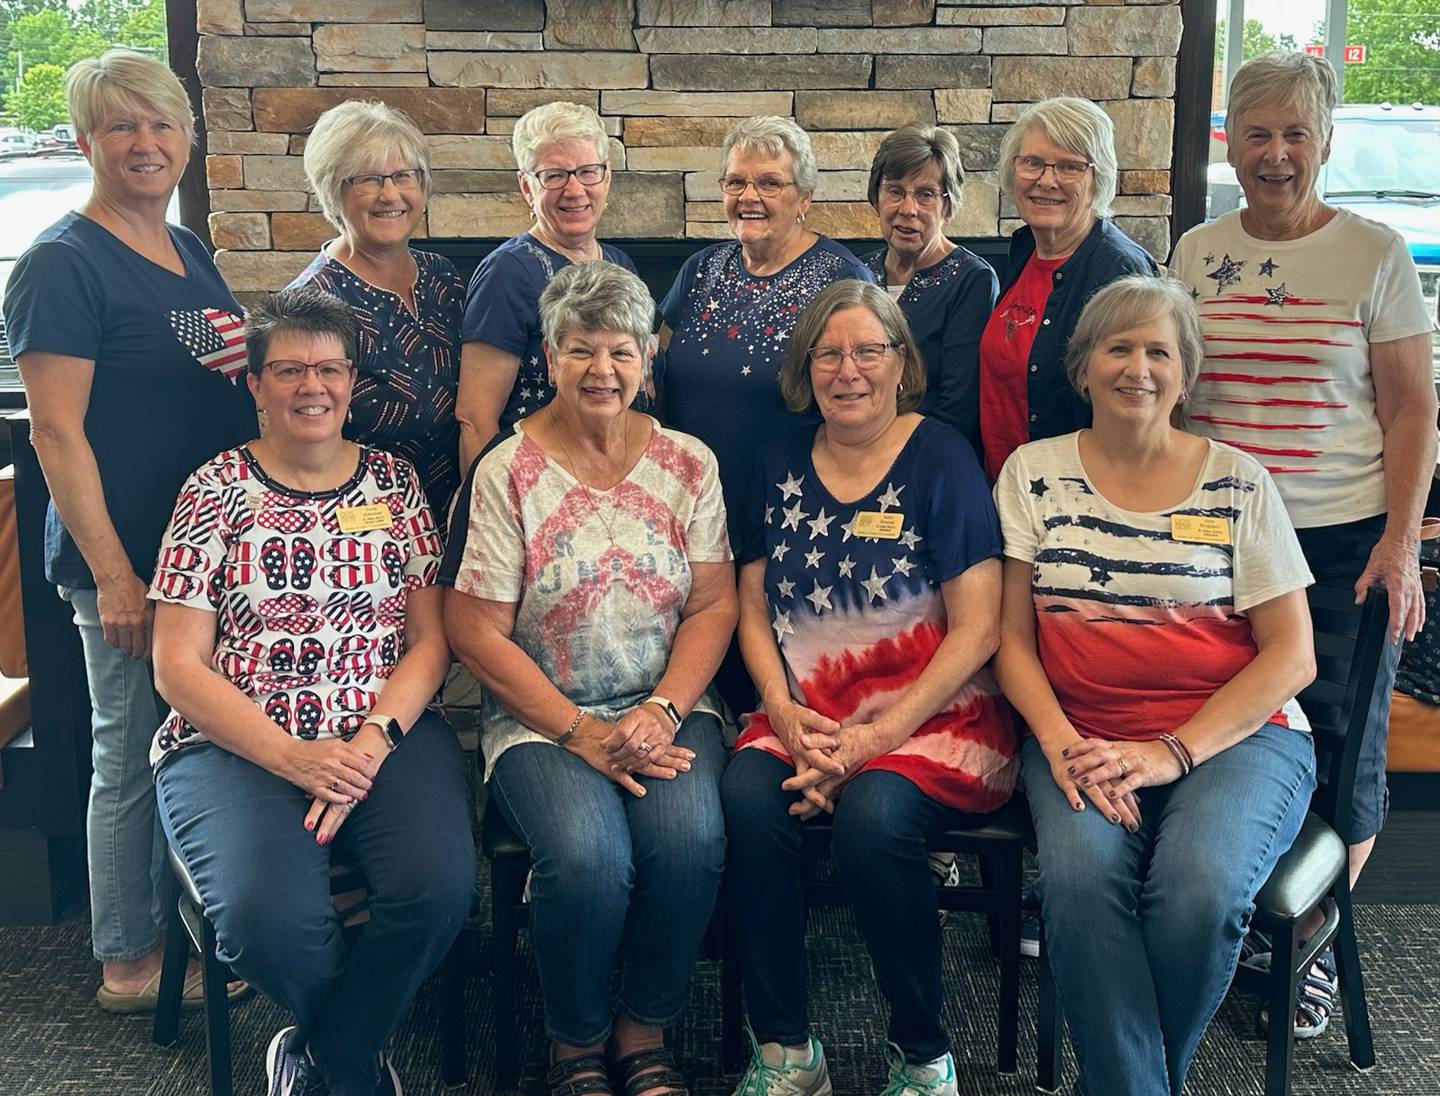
x=1129, y=302
x=124, y=79
x=355, y=137
x=1074, y=124
x=557, y=123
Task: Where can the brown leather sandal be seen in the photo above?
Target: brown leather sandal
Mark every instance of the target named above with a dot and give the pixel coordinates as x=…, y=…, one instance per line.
x=647, y=1070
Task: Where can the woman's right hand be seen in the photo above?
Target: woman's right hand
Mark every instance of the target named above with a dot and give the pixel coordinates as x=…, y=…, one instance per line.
x=127, y=616
x=1124, y=811
x=665, y=763
x=330, y=769
x=805, y=733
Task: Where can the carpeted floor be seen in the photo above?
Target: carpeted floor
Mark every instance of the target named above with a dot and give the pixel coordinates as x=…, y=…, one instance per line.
x=54, y=1041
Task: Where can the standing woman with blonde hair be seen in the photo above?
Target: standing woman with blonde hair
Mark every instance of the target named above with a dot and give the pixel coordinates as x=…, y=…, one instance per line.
x=130, y=347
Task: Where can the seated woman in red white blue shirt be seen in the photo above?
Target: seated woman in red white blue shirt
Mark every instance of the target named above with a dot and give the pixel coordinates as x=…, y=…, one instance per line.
x=870, y=599
x=1155, y=633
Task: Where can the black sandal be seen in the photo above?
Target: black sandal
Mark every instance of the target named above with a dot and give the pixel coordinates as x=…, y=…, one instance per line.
x=651, y=1069
x=581, y=1076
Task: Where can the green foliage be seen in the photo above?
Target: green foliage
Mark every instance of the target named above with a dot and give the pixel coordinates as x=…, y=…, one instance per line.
x=54, y=32
x=144, y=28
x=40, y=102
x=1255, y=40
x=1402, y=41
x=46, y=38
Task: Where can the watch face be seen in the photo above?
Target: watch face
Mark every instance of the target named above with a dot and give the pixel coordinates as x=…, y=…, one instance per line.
x=391, y=729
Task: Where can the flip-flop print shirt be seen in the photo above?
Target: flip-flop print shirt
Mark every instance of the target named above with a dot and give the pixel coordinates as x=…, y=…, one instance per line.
x=310, y=620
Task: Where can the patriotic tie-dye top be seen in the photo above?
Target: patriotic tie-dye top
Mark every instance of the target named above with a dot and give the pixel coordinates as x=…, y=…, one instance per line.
x=598, y=578
x=310, y=618
x=1288, y=329
x=1136, y=627
x=857, y=618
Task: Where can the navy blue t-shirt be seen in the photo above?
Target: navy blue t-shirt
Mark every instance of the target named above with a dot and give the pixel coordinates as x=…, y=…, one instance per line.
x=729, y=332
x=502, y=308
x=169, y=387
x=947, y=306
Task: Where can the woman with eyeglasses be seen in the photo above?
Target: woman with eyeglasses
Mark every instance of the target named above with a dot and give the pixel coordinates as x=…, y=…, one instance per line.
x=869, y=608
x=370, y=168
x=1057, y=163
x=563, y=155
x=299, y=639
x=946, y=291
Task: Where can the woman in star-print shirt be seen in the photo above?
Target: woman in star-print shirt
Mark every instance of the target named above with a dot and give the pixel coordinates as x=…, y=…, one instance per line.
x=870, y=605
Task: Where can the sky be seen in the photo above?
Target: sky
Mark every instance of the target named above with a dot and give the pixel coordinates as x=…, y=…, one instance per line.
x=1297, y=17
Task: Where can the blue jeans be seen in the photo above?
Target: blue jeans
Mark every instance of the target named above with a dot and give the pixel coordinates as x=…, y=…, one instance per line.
x=615, y=877
x=265, y=885
x=131, y=887
x=881, y=823
x=1144, y=929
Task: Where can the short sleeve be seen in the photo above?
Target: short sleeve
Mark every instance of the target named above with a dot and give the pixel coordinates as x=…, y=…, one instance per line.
x=192, y=553
x=961, y=527
x=707, y=540
x=501, y=305
x=1267, y=560
x=422, y=563
x=1017, y=519
x=672, y=307
x=1397, y=309
x=492, y=563
x=54, y=303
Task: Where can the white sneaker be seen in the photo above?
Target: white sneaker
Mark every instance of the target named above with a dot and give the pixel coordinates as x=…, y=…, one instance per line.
x=935, y=1078
x=774, y=1071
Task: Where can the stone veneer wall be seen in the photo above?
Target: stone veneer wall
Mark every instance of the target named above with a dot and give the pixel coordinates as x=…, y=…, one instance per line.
x=668, y=77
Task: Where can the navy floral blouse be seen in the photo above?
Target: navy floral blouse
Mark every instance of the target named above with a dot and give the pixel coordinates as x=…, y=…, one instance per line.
x=408, y=366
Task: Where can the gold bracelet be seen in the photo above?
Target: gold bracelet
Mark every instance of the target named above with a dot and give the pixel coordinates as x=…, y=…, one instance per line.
x=570, y=730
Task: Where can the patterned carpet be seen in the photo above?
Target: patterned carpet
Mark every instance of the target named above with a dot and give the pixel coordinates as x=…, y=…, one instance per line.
x=53, y=1040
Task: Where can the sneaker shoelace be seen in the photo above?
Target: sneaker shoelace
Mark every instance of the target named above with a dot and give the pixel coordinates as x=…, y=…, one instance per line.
x=903, y=1082
x=763, y=1079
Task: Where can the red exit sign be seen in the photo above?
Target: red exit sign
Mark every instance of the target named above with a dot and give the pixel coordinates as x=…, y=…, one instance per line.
x=1353, y=55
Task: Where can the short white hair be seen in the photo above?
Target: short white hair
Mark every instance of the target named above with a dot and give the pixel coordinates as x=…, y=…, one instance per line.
x=1282, y=79
x=1074, y=124
x=772, y=135
x=356, y=137
x=124, y=79
x=557, y=123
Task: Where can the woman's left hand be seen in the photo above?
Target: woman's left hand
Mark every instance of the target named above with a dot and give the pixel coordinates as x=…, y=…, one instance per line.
x=324, y=819
x=1395, y=565
x=1125, y=766
x=859, y=743
x=641, y=735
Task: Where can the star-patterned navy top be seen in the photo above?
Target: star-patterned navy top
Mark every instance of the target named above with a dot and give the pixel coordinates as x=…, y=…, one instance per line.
x=858, y=618
x=947, y=306
x=502, y=308
x=407, y=367
x=729, y=329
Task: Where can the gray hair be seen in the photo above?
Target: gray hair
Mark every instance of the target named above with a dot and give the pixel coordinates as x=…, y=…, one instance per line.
x=124, y=79
x=1128, y=302
x=300, y=311
x=794, y=379
x=596, y=296
x=1283, y=79
x=910, y=148
x=773, y=135
x=557, y=123
x=356, y=137
x=1074, y=124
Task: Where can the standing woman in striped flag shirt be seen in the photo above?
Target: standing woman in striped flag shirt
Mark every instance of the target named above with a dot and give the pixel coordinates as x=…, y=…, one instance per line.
x=130, y=347
x=1317, y=363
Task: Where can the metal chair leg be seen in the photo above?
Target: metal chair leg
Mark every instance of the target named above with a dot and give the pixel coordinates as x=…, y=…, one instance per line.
x=172, y=981
x=732, y=1009
x=1008, y=1036
x=1281, y=995
x=217, y=1013
x=1048, y=1027
x=452, y=1015
x=503, y=892
x=1352, y=982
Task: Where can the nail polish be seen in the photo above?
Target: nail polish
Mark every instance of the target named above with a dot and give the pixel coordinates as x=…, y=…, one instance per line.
x=1114, y=818
x=1085, y=780
x=1070, y=771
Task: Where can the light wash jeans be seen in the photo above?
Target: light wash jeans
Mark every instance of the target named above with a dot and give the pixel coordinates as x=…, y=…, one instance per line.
x=616, y=877
x=1144, y=929
x=131, y=887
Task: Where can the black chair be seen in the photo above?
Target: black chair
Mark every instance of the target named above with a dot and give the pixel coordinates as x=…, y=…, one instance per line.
x=1350, y=643
x=999, y=841
x=189, y=926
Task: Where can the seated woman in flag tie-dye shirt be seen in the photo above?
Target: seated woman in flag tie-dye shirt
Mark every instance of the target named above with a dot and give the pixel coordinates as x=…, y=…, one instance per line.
x=1154, y=636
x=870, y=602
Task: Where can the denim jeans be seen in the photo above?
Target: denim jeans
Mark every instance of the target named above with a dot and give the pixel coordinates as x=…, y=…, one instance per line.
x=881, y=823
x=1144, y=929
x=265, y=885
x=131, y=887
x=615, y=877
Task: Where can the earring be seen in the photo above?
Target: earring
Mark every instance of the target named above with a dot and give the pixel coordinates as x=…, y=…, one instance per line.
x=900, y=388
x=350, y=415
x=262, y=419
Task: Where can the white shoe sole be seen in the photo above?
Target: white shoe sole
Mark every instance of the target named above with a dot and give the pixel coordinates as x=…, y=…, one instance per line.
x=272, y=1052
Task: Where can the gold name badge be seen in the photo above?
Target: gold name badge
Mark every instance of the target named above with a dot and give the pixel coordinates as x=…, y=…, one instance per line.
x=359, y=519
x=872, y=523
x=1199, y=529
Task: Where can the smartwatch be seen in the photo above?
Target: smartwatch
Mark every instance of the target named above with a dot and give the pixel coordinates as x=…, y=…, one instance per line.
x=668, y=706
x=389, y=727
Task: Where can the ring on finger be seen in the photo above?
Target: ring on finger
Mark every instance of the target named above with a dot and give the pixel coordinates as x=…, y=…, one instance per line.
x=1124, y=768
x=644, y=748
x=335, y=785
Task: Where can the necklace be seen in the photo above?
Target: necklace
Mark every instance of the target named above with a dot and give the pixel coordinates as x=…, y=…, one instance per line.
x=585, y=487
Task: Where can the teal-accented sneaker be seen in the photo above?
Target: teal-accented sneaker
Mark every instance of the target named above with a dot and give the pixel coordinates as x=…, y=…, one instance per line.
x=935, y=1078
x=773, y=1071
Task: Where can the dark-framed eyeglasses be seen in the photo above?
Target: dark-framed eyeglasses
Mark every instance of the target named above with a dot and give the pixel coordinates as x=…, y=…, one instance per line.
x=330, y=371
x=372, y=183
x=554, y=178
x=1067, y=171
x=865, y=356
x=767, y=187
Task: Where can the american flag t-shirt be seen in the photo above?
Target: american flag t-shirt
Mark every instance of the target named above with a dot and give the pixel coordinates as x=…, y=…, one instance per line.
x=215, y=338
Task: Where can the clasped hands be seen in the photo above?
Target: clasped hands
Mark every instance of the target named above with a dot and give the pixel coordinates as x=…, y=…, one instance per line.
x=1109, y=773
x=336, y=774
x=825, y=753
x=640, y=743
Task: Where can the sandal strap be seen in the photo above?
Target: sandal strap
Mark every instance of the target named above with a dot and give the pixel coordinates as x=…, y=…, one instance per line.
x=650, y=1069
x=580, y=1076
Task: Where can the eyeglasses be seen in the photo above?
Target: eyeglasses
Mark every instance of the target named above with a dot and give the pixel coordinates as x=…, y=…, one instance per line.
x=768, y=187
x=926, y=197
x=865, y=356
x=367, y=186
x=331, y=371
x=553, y=178
x=1066, y=171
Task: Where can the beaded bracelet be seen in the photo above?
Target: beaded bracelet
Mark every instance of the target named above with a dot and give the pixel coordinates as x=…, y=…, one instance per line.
x=1182, y=754
x=570, y=730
